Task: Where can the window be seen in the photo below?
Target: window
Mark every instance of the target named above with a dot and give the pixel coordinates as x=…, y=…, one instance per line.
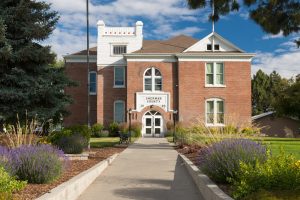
x=93, y=83
x=214, y=112
x=217, y=47
x=152, y=80
x=214, y=74
x=209, y=47
x=119, y=49
x=119, y=77
x=119, y=111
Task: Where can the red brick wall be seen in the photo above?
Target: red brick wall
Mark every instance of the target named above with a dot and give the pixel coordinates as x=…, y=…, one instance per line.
x=107, y=94
x=236, y=94
x=135, y=75
x=78, y=110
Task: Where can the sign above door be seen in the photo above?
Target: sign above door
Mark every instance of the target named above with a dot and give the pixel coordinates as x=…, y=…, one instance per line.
x=161, y=99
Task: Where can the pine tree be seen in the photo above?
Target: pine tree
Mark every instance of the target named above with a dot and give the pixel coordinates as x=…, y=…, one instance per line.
x=27, y=80
x=261, y=101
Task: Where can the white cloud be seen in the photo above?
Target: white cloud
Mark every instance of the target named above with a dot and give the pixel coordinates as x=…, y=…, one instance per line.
x=163, y=14
x=286, y=64
x=271, y=36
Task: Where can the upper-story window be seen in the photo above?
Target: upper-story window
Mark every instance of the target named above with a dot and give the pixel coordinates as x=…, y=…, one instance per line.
x=214, y=74
x=152, y=80
x=217, y=47
x=214, y=112
x=119, y=76
x=119, y=49
x=93, y=83
x=209, y=47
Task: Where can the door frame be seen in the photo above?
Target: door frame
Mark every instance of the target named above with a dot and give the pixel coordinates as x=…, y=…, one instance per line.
x=152, y=115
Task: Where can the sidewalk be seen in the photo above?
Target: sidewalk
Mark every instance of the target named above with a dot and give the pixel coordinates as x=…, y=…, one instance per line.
x=147, y=170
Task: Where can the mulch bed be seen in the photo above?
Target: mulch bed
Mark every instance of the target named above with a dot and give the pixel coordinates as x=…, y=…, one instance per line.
x=32, y=191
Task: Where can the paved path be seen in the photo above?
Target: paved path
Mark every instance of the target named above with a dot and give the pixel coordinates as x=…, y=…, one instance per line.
x=147, y=170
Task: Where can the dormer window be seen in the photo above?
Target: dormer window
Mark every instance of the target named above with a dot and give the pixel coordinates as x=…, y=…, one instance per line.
x=217, y=47
x=119, y=49
x=209, y=47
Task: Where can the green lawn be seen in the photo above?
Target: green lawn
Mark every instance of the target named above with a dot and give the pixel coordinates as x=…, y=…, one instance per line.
x=289, y=145
x=106, y=141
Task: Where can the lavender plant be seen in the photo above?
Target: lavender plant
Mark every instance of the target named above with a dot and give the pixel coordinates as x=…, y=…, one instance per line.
x=221, y=161
x=37, y=164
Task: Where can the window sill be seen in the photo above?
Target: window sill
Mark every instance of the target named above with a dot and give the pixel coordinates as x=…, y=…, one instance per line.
x=93, y=94
x=119, y=86
x=215, y=125
x=215, y=86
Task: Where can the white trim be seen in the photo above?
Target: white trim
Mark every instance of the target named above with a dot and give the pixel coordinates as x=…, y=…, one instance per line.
x=124, y=116
x=262, y=115
x=119, y=86
x=214, y=111
x=215, y=75
x=92, y=72
x=79, y=58
x=214, y=34
x=152, y=80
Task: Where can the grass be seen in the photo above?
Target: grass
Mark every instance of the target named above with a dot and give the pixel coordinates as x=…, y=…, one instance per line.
x=289, y=145
x=106, y=142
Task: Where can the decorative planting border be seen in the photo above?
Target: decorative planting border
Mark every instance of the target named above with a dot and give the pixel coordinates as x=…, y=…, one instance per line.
x=73, y=188
x=208, y=189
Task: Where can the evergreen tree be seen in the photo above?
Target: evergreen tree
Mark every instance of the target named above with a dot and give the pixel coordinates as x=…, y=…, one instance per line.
x=274, y=16
x=289, y=102
x=261, y=101
x=277, y=86
x=27, y=80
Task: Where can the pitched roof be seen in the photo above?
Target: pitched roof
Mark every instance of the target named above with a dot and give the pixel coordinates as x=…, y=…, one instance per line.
x=175, y=44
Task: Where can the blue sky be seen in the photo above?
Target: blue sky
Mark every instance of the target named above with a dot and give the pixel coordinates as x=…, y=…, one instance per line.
x=166, y=18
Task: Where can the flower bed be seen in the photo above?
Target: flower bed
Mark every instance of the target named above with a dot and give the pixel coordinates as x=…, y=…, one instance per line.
x=32, y=191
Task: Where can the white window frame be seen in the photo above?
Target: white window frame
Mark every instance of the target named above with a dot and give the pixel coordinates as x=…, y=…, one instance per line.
x=153, y=76
x=214, y=112
x=92, y=72
x=119, y=86
x=117, y=44
x=215, y=75
x=123, y=102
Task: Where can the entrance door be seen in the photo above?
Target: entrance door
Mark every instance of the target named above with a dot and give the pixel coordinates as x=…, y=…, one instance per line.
x=152, y=124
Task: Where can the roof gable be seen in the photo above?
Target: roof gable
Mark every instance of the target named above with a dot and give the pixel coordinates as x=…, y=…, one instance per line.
x=214, y=38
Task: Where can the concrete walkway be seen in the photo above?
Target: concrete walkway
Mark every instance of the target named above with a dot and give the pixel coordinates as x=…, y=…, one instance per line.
x=147, y=170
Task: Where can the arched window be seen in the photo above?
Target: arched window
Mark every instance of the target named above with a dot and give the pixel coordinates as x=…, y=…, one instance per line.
x=152, y=80
x=214, y=111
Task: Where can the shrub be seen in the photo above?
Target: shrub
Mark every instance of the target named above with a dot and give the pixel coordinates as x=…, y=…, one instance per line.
x=221, y=161
x=113, y=129
x=37, y=164
x=55, y=136
x=83, y=130
x=278, y=173
x=97, y=130
x=136, y=127
x=73, y=144
x=8, y=185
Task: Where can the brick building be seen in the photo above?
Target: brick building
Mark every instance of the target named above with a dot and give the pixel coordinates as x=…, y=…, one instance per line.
x=207, y=79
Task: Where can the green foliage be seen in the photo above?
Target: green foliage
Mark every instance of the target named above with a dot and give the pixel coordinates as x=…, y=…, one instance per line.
x=289, y=102
x=27, y=80
x=267, y=91
x=113, y=129
x=8, y=185
x=73, y=144
x=278, y=173
x=97, y=130
x=136, y=128
x=57, y=135
x=272, y=16
x=83, y=130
